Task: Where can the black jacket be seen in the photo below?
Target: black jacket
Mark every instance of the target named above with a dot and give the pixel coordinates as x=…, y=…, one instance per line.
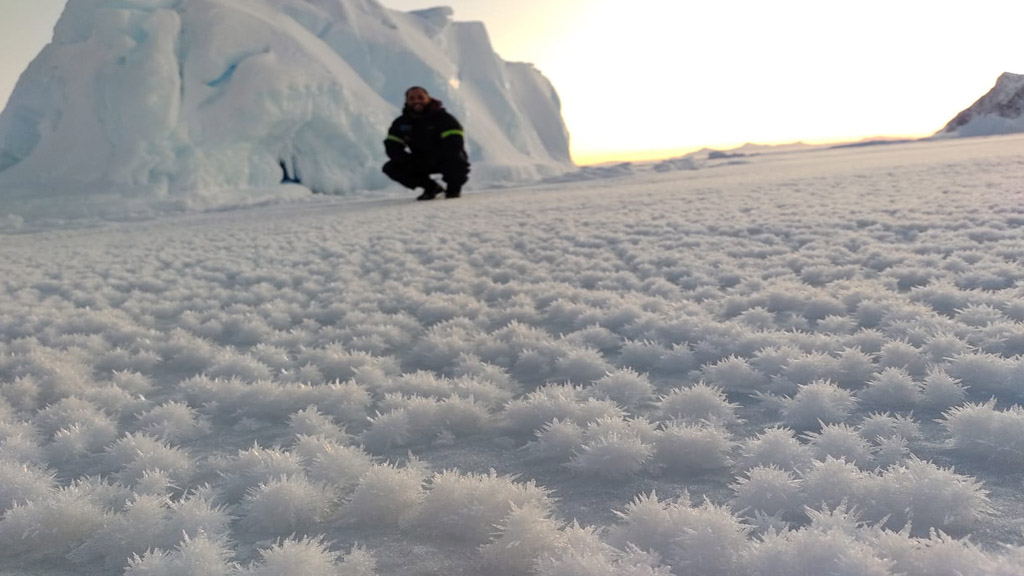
x=429, y=139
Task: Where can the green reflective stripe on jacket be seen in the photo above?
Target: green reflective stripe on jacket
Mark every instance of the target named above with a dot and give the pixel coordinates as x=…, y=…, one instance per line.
x=452, y=133
x=395, y=138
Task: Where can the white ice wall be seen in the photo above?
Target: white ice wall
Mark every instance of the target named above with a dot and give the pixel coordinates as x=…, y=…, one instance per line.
x=174, y=100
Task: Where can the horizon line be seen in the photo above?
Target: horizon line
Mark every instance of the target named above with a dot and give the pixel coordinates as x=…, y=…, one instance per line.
x=656, y=154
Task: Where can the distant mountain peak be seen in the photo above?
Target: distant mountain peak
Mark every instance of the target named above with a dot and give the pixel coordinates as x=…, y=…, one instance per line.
x=1000, y=111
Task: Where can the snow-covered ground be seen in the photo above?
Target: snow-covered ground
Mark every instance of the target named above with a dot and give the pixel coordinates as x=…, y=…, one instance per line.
x=793, y=363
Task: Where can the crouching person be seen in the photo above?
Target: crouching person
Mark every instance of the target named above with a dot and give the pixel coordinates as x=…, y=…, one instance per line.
x=426, y=140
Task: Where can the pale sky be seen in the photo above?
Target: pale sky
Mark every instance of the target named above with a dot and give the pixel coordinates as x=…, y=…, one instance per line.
x=650, y=78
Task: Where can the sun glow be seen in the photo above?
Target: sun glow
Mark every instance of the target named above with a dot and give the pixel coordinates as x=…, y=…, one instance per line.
x=656, y=79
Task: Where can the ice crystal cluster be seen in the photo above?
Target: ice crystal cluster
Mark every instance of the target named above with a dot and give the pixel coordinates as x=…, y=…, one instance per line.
x=810, y=363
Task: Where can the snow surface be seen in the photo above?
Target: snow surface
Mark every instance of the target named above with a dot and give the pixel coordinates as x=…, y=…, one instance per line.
x=142, y=106
x=806, y=363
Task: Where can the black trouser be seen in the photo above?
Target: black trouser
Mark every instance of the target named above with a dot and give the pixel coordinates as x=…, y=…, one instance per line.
x=414, y=174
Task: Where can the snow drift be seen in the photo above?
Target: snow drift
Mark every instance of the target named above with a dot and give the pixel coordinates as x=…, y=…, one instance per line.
x=181, y=101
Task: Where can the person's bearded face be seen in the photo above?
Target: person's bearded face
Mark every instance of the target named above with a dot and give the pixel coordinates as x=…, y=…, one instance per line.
x=417, y=100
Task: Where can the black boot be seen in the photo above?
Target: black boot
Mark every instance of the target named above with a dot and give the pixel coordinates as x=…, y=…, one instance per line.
x=453, y=192
x=430, y=191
